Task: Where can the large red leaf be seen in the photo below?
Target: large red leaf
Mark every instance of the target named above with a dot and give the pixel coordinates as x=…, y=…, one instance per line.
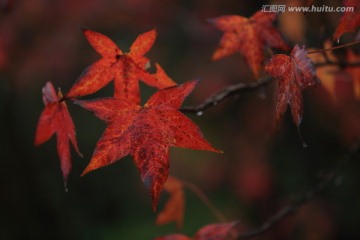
x=349, y=20
x=146, y=133
x=295, y=73
x=56, y=119
x=249, y=36
x=126, y=69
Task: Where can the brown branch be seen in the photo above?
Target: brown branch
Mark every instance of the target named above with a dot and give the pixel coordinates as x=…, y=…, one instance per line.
x=225, y=93
x=202, y=196
x=294, y=206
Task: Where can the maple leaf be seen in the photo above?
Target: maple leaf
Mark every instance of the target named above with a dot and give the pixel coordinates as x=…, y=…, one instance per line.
x=249, y=36
x=146, y=133
x=174, y=207
x=295, y=73
x=349, y=21
x=126, y=69
x=55, y=118
x=211, y=231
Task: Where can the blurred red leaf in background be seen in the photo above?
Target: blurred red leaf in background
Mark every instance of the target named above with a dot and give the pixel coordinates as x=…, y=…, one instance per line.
x=175, y=205
x=249, y=36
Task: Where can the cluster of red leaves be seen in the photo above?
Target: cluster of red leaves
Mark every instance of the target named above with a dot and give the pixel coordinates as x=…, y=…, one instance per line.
x=250, y=37
x=145, y=132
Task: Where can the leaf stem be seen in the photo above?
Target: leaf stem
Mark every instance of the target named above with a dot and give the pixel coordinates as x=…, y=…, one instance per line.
x=333, y=48
x=202, y=196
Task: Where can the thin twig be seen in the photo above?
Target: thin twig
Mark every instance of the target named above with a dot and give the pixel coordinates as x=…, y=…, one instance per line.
x=342, y=64
x=333, y=48
x=294, y=206
x=202, y=196
x=225, y=93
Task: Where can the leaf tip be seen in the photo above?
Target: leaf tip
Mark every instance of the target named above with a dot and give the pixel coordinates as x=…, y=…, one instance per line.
x=218, y=151
x=86, y=171
x=83, y=29
x=153, y=31
x=78, y=102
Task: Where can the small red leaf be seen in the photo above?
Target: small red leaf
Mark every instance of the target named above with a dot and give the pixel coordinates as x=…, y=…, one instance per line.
x=249, y=36
x=146, y=133
x=126, y=69
x=56, y=119
x=295, y=73
x=175, y=206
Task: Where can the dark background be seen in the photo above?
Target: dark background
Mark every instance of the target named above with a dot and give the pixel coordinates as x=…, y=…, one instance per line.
x=262, y=169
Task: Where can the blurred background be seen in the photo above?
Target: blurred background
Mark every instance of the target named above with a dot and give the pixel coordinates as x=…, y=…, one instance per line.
x=262, y=169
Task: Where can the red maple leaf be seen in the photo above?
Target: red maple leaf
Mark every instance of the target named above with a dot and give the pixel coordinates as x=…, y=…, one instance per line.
x=125, y=68
x=349, y=21
x=56, y=119
x=212, y=231
x=295, y=73
x=249, y=36
x=175, y=206
x=146, y=133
